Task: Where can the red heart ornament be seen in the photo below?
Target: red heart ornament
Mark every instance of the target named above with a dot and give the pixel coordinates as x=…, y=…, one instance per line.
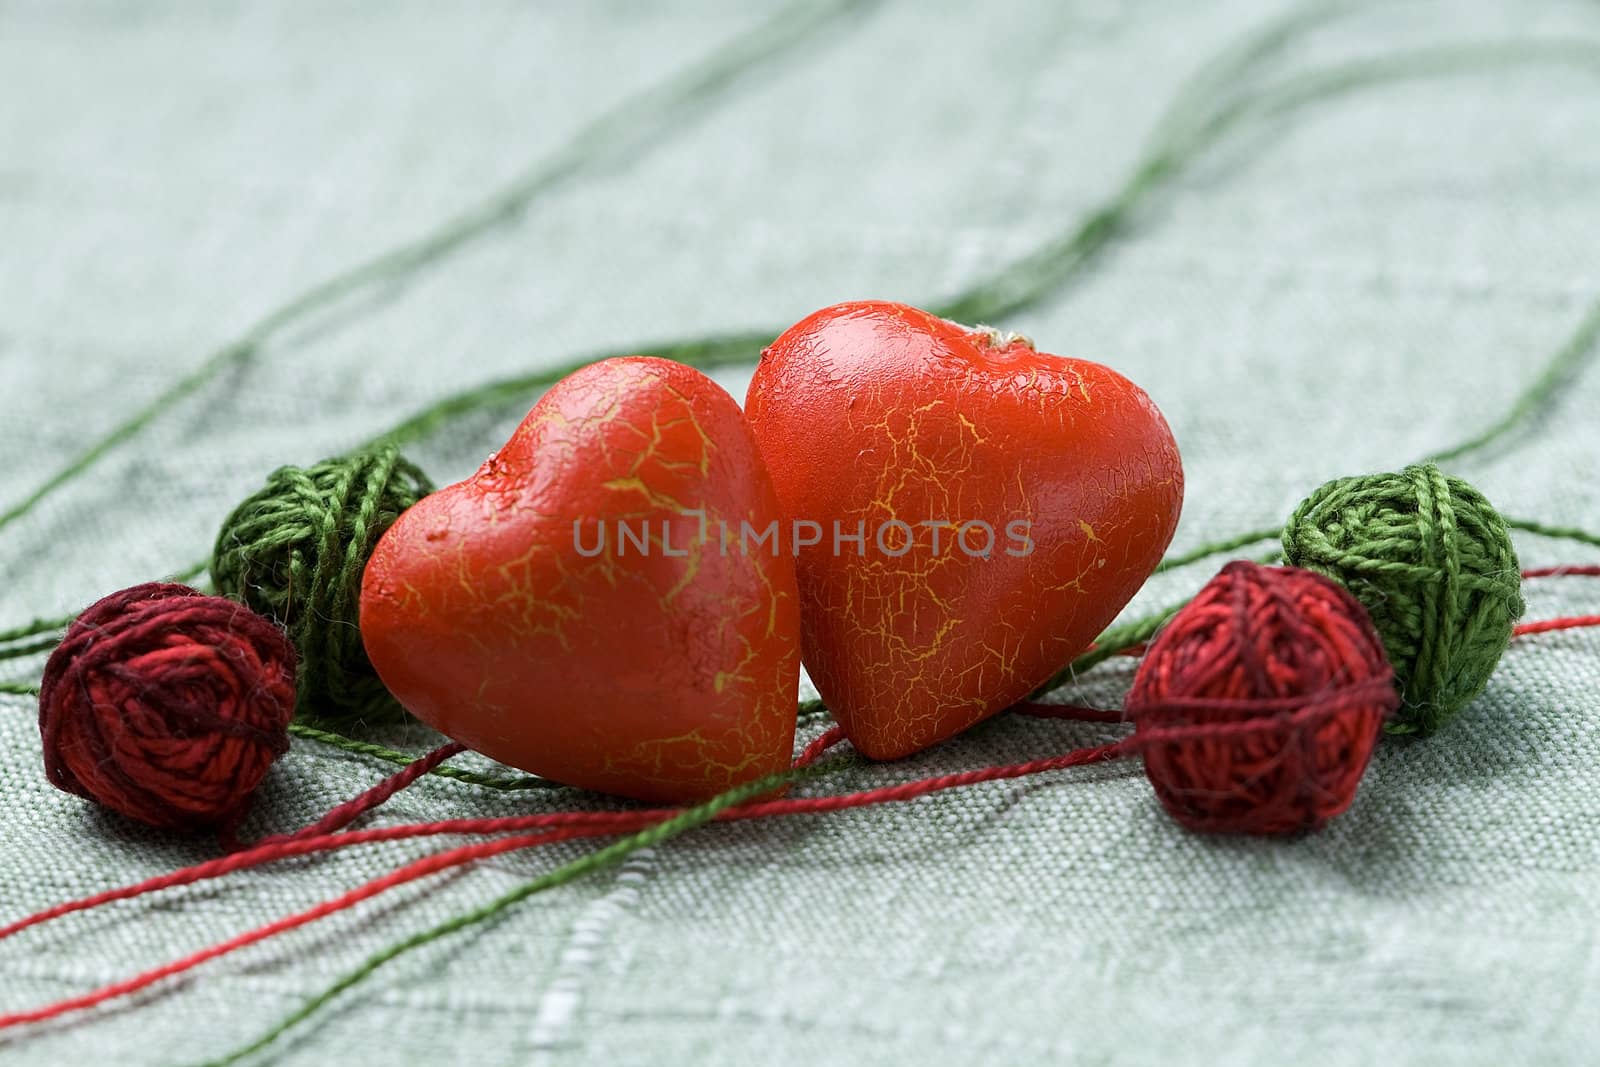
x=1008, y=504
x=564, y=610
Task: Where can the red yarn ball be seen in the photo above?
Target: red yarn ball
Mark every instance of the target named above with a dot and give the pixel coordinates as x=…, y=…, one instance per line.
x=1258, y=706
x=167, y=705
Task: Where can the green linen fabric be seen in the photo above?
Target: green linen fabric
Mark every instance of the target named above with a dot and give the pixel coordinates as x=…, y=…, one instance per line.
x=1341, y=290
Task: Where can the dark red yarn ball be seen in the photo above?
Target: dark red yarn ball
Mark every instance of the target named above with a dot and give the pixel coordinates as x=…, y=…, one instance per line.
x=167, y=705
x=1258, y=706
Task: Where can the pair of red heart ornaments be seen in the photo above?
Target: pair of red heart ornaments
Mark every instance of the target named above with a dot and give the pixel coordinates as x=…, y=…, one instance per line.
x=933, y=518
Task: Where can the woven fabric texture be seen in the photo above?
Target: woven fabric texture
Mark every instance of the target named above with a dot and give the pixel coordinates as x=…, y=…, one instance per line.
x=1340, y=290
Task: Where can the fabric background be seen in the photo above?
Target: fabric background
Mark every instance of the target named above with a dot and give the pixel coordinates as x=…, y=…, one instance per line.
x=1338, y=293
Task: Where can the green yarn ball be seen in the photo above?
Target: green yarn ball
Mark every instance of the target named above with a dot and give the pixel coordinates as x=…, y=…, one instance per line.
x=1432, y=561
x=295, y=552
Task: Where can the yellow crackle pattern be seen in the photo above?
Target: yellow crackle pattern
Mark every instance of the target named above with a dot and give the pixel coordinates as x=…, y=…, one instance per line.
x=664, y=677
x=912, y=649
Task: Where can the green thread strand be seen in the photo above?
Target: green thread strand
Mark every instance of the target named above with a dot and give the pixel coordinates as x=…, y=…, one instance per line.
x=705, y=353
x=191, y=572
x=1212, y=548
x=35, y=628
x=981, y=301
x=31, y=648
x=1296, y=93
x=1028, y=280
x=989, y=295
x=21, y=689
x=1112, y=641
x=1094, y=234
x=1569, y=360
x=504, y=783
x=1566, y=361
x=642, y=116
x=811, y=710
x=594, y=861
x=1229, y=68
x=1565, y=533
x=44, y=626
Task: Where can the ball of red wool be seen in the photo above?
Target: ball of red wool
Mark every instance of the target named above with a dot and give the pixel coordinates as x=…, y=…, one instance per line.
x=1258, y=706
x=167, y=705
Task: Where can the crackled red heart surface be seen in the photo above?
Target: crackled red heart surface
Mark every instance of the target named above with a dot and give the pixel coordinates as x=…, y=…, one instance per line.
x=970, y=512
x=570, y=609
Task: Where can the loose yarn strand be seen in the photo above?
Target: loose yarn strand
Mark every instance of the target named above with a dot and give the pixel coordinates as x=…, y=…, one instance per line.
x=36, y=627
x=1091, y=235
x=307, y=843
x=663, y=830
x=1562, y=533
x=1229, y=68
x=58, y=625
x=601, y=858
x=1055, y=261
x=1029, y=279
x=650, y=112
x=351, y=810
x=641, y=117
x=1569, y=622
x=428, y=865
x=529, y=831
x=504, y=783
x=1544, y=626
x=320, y=838
x=1563, y=570
x=30, y=648
x=739, y=803
x=1568, y=361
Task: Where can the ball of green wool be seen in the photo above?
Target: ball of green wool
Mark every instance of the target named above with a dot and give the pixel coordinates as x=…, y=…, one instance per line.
x=1432, y=561
x=295, y=552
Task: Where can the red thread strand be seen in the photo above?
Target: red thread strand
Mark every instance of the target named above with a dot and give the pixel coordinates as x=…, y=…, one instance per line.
x=1564, y=570
x=353, y=809
x=1568, y=622
x=531, y=831
x=313, y=839
x=829, y=737
x=605, y=822
x=1544, y=626
x=410, y=872
x=578, y=824
x=1135, y=651
x=1071, y=712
